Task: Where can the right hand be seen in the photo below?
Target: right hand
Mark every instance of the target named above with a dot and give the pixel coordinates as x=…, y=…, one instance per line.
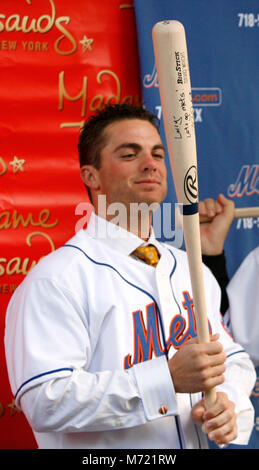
x=219, y=215
x=198, y=367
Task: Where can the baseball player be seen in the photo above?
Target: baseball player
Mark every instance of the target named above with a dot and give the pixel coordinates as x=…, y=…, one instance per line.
x=101, y=346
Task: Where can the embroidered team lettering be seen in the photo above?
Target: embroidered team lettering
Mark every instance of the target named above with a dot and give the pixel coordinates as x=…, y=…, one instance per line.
x=147, y=342
x=180, y=331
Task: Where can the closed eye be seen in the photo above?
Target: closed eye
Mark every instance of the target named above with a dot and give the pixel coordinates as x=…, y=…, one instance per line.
x=131, y=150
x=158, y=151
x=159, y=155
x=128, y=155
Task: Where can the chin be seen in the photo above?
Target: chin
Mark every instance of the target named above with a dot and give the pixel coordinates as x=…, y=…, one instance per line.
x=150, y=200
x=150, y=197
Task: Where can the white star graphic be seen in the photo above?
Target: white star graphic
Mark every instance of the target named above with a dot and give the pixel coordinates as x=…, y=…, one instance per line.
x=17, y=164
x=86, y=43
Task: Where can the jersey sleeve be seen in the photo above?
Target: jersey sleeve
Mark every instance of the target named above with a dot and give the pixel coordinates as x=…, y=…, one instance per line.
x=243, y=296
x=48, y=353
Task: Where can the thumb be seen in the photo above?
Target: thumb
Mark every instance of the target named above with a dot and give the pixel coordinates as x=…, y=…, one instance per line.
x=197, y=412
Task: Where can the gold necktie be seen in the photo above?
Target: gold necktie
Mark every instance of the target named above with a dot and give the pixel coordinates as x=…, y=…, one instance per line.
x=149, y=254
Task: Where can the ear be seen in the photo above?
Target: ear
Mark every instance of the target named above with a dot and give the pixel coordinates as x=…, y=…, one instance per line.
x=90, y=176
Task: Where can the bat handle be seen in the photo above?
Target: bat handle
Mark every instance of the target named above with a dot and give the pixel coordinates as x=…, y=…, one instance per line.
x=191, y=229
x=210, y=397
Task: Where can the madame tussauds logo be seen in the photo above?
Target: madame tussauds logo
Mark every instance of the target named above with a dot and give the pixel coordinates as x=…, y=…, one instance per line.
x=41, y=25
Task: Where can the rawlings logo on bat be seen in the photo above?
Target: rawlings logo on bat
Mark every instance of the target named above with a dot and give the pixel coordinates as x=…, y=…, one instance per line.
x=190, y=184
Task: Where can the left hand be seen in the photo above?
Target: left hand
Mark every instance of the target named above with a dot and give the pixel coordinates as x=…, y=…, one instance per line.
x=218, y=421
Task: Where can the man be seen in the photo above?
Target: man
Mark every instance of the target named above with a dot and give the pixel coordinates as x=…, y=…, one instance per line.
x=241, y=291
x=239, y=304
x=100, y=346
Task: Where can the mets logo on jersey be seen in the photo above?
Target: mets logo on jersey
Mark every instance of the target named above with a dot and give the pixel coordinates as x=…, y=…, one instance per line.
x=147, y=340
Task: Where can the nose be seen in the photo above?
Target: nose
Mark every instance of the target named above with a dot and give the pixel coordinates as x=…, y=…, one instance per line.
x=148, y=162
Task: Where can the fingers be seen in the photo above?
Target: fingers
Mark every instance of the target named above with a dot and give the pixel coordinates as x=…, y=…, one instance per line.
x=210, y=369
x=209, y=363
x=197, y=367
x=213, y=338
x=224, y=202
x=209, y=207
x=212, y=347
x=212, y=377
x=220, y=420
x=223, y=433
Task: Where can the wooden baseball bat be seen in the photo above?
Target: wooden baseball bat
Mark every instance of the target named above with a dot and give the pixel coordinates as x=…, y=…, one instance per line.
x=239, y=213
x=171, y=60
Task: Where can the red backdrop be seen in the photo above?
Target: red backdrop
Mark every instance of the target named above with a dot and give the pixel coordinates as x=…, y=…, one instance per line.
x=60, y=60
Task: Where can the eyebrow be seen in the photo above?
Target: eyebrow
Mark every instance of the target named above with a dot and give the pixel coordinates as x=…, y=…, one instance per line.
x=136, y=146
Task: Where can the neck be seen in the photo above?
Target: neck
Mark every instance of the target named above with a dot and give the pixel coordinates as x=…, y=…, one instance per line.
x=140, y=225
x=128, y=217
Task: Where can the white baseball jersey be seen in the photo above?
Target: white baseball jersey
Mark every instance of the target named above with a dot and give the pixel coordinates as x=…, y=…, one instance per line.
x=86, y=337
x=242, y=317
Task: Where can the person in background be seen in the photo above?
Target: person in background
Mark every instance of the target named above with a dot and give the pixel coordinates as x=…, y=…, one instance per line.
x=216, y=217
x=240, y=294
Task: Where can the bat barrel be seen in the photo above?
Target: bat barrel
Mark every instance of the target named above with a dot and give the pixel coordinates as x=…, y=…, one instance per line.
x=171, y=60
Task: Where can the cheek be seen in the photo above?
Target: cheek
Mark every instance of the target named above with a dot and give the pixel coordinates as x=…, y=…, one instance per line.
x=163, y=172
x=114, y=180
x=119, y=176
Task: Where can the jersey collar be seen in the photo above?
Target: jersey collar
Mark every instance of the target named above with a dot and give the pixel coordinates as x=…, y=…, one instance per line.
x=116, y=237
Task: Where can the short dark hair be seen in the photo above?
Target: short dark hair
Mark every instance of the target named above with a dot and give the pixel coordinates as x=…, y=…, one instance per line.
x=92, y=138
